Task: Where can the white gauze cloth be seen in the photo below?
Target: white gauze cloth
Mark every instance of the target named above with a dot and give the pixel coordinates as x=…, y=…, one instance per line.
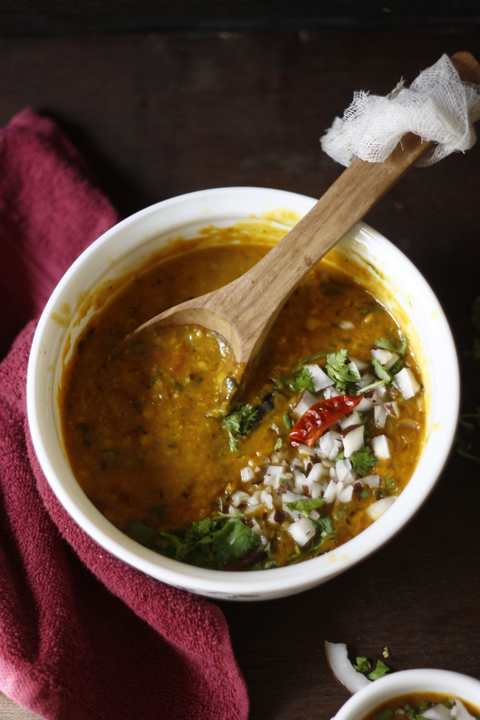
x=437, y=106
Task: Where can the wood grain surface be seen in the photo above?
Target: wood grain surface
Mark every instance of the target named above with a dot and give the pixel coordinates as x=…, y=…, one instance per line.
x=161, y=114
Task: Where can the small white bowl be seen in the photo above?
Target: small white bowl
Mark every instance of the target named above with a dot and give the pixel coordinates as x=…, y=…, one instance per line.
x=124, y=247
x=397, y=684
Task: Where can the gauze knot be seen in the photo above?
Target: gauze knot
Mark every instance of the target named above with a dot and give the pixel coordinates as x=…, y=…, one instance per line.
x=438, y=107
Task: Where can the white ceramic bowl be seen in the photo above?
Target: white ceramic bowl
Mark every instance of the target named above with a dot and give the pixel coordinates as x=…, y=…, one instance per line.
x=134, y=239
x=409, y=681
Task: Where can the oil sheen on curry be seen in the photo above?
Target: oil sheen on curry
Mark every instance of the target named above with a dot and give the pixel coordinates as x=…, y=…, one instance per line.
x=317, y=446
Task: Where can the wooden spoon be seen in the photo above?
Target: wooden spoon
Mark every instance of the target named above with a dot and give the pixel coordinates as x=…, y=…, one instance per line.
x=244, y=310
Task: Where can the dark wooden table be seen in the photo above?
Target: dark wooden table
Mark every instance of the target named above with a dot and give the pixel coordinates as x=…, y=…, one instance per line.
x=161, y=114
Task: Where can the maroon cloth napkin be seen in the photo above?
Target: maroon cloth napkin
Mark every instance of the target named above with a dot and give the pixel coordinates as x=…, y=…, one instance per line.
x=82, y=635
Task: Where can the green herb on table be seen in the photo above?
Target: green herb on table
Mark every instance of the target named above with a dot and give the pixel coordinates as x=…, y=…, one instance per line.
x=362, y=664
x=379, y=670
x=373, y=672
x=363, y=461
x=338, y=369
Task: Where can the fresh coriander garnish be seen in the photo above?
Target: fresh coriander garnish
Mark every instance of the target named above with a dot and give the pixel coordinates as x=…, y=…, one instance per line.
x=301, y=380
x=337, y=368
x=307, y=505
x=400, y=347
x=380, y=371
x=214, y=542
x=363, y=461
x=379, y=670
x=240, y=423
x=362, y=664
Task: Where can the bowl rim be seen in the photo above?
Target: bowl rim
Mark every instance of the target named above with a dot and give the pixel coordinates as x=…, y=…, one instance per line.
x=245, y=585
x=426, y=680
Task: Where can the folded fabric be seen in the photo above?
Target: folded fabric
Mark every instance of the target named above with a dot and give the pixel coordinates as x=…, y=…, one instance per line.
x=82, y=635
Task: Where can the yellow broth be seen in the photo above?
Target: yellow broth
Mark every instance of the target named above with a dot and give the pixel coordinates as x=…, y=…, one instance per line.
x=410, y=707
x=141, y=418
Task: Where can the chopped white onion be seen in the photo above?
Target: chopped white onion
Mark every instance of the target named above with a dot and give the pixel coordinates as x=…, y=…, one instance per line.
x=376, y=509
x=346, y=325
x=380, y=447
x=319, y=377
x=266, y=498
x=407, y=383
x=361, y=364
x=353, y=441
x=385, y=357
x=302, y=531
x=372, y=481
x=379, y=394
x=330, y=494
x=365, y=405
x=317, y=471
x=379, y=416
x=331, y=392
x=343, y=471
x=305, y=402
x=300, y=480
x=346, y=494
x=289, y=496
x=352, y=419
x=239, y=497
x=315, y=490
x=314, y=515
x=342, y=668
x=246, y=474
x=460, y=712
x=437, y=712
x=329, y=445
x=274, y=475
x=254, y=500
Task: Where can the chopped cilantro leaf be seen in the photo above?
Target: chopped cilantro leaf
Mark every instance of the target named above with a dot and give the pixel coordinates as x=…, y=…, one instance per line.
x=363, y=461
x=380, y=371
x=214, y=542
x=301, y=380
x=379, y=670
x=240, y=423
x=287, y=421
x=400, y=348
x=307, y=505
x=325, y=530
x=362, y=664
x=338, y=370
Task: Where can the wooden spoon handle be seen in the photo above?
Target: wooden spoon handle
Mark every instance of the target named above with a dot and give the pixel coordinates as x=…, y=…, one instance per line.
x=254, y=300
